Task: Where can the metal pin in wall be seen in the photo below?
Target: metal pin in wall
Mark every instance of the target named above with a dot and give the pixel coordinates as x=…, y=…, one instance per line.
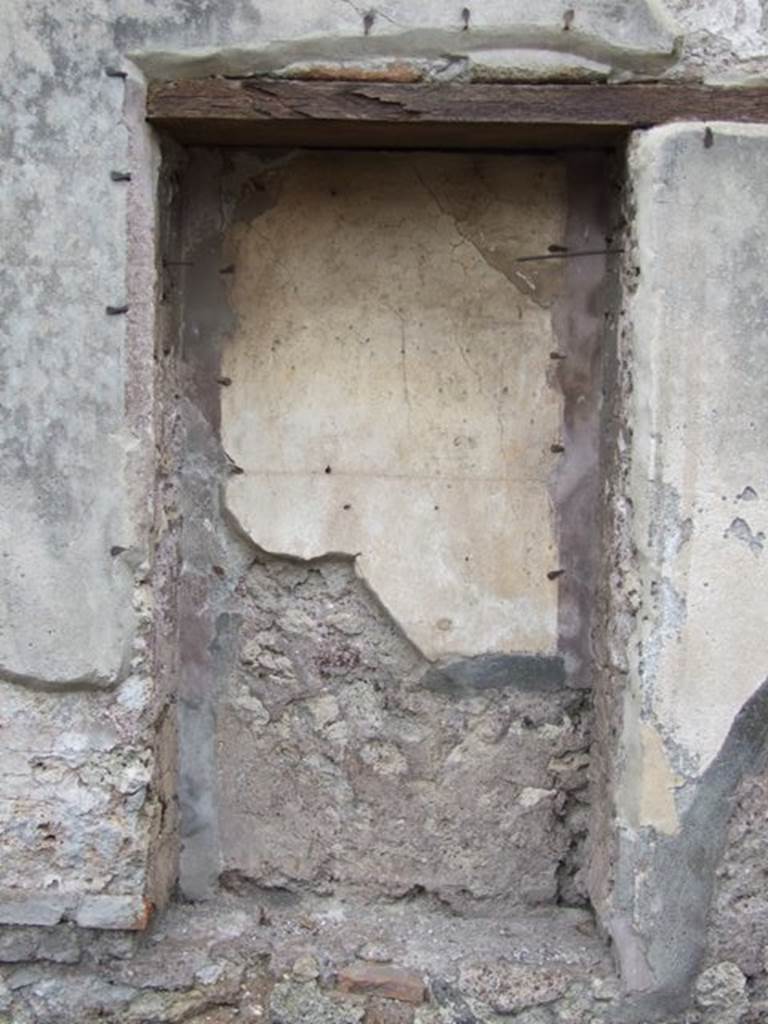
x=120, y=175
x=553, y=575
x=111, y=72
x=116, y=310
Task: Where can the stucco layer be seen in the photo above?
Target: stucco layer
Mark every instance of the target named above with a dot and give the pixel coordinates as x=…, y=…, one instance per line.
x=391, y=396
x=77, y=418
x=699, y=476
x=688, y=559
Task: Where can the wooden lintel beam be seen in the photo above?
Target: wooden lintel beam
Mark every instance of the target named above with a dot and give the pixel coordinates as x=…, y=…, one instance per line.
x=266, y=112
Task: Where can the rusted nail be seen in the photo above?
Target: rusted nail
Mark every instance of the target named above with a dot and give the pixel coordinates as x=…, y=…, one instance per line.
x=568, y=255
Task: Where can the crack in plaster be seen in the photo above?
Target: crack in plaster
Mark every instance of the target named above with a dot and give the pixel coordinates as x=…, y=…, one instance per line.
x=527, y=288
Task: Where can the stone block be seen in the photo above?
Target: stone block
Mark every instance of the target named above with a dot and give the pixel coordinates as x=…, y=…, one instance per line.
x=509, y=988
x=123, y=912
x=305, y=1003
x=720, y=991
x=32, y=909
x=380, y=1010
x=58, y=943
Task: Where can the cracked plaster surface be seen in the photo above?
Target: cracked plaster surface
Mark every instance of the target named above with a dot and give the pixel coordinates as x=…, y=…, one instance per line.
x=391, y=394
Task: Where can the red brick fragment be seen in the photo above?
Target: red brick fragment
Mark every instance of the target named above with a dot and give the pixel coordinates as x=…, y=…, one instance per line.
x=383, y=980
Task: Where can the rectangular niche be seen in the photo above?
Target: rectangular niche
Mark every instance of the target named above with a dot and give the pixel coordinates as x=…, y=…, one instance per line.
x=390, y=372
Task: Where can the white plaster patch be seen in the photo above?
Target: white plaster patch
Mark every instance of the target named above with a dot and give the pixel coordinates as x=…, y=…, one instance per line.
x=531, y=796
x=699, y=437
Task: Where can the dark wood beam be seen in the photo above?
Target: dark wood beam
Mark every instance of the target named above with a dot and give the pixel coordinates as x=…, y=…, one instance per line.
x=263, y=112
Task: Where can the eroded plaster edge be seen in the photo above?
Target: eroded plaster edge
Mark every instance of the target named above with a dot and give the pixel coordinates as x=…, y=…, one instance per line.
x=654, y=855
x=445, y=50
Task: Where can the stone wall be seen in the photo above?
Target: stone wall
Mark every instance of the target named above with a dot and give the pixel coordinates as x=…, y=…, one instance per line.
x=93, y=518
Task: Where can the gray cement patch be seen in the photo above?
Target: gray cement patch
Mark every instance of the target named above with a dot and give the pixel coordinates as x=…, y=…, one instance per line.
x=528, y=673
x=679, y=872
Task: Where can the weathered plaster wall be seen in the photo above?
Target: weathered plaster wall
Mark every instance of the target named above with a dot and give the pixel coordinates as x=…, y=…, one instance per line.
x=688, y=573
x=70, y=127
x=86, y=773
x=79, y=428
x=393, y=395
x=721, y=41
x=698, y=473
